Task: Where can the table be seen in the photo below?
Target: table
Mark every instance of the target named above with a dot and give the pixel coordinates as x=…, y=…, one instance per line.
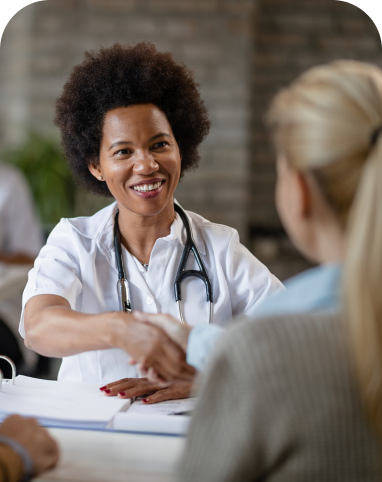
x=101, y=456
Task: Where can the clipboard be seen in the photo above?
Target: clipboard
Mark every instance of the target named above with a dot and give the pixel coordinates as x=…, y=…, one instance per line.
x=3, y=357
x=81, y=405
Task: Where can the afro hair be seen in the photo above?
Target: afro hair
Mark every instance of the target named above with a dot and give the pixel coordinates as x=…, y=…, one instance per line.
x=120, y=76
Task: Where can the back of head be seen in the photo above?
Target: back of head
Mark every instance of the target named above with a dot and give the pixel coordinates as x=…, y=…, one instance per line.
x=329, y=122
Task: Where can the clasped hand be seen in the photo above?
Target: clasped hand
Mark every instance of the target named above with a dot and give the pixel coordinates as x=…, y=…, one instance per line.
x=159, y=348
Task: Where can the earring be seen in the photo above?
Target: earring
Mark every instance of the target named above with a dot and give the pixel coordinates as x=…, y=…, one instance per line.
x=100, y=178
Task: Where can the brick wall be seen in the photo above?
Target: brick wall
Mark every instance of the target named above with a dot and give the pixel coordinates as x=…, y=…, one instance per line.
x=242, y=52
x=291, y=36
x=213, y=37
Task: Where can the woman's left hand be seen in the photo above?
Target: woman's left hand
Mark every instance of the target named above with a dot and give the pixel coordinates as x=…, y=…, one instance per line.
x=137, y=387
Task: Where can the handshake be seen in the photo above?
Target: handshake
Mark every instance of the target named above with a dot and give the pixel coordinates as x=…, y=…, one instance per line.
x=158, y=345
x=164, y=359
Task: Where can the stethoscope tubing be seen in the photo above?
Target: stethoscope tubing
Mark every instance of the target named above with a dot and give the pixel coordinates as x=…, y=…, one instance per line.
x=123, y=284
x=182, y=273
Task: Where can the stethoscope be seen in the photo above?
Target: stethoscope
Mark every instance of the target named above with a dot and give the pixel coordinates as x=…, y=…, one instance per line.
x=123, y=284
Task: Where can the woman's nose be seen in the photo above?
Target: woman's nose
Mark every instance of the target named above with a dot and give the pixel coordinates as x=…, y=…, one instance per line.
x=144, y=163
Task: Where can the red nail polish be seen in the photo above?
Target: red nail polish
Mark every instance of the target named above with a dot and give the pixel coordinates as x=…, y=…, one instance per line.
x=145, y=400
x=122, y=394
x=103, y=388
x=107, y=391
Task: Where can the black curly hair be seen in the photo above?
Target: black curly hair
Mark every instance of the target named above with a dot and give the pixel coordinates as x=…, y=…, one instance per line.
x=120, y=76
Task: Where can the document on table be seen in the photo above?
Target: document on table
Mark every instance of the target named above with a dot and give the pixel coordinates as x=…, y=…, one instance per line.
x=59, y=404
x=171, y=417
x=82, y=405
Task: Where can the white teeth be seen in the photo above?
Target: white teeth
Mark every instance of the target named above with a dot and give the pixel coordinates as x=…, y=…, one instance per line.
x=147, y=187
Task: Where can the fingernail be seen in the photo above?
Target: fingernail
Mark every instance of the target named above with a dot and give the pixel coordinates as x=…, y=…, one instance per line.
x=145, y=400
x=107, y=391
x=103, y=388
x=122, y=394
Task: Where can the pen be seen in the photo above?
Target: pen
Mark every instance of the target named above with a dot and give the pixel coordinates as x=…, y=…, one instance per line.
x=187, y=412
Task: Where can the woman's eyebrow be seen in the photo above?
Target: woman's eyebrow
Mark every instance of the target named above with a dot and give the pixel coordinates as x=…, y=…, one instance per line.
x=119, y=143
x=161, y=134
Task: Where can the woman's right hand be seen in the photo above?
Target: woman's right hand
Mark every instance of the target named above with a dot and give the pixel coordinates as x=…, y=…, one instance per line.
x=151, y=347
x=41, y=447
x=177, y=331
x=53, y=329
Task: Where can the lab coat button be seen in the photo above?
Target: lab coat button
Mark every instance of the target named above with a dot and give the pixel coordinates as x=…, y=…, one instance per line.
x=149, y=301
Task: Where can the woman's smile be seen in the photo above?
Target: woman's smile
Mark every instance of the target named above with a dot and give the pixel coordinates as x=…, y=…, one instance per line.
x=139, y=160
x=148, y=188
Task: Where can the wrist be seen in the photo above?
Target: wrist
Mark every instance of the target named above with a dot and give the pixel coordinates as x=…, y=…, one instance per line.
x=20, y=460
x=184, y=335
x=117, y=329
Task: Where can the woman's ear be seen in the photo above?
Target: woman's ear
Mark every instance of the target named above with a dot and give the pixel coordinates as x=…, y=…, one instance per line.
x=96, y=170
x=305, y=194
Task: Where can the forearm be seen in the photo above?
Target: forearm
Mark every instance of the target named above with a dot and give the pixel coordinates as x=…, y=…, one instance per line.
x=53, y=329
x=58, y=331
x=201, y=344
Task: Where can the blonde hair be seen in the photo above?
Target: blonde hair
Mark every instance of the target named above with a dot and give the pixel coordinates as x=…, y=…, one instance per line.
x=326, y=123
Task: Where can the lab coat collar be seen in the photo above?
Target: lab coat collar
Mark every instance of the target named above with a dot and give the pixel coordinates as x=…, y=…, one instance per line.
x=100, y=227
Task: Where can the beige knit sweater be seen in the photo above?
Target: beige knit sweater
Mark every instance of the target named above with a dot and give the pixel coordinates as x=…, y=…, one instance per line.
x=279, y=402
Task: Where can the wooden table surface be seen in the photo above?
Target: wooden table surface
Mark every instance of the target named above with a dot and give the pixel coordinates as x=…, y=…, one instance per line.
x=96, y=456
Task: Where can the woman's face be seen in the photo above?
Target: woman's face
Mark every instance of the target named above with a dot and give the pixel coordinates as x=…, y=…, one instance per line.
x=139, y=158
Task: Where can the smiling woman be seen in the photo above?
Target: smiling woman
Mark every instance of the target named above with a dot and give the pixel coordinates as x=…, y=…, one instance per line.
x=132, y=120
x=140, y=162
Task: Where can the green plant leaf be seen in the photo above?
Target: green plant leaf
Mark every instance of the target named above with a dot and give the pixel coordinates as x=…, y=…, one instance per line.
x=43, y=164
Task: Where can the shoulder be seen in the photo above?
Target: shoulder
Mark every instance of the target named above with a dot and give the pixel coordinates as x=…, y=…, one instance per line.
x=212, y=232
x=72, y=237
x=87, y=226
x=210, y=227
x=285, y=344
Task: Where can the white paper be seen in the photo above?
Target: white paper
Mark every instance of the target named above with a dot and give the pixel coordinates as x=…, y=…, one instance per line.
x=157, y=418
x=57, y=404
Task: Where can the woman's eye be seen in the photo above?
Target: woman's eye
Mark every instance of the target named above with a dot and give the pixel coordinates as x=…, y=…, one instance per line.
x=123, y=152
x=160, y=144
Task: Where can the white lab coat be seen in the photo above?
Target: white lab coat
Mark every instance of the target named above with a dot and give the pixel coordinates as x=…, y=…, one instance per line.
x=78, y=263
x=20, y=232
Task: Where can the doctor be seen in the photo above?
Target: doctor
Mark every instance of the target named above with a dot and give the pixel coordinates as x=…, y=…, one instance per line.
x=132, y=120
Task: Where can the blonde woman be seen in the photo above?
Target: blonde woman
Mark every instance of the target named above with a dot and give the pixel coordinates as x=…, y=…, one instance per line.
x=299, y=397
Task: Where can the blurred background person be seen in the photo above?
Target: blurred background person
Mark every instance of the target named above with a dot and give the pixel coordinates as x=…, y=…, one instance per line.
x=299, y=397
x=26, y=449
x=20, y=242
